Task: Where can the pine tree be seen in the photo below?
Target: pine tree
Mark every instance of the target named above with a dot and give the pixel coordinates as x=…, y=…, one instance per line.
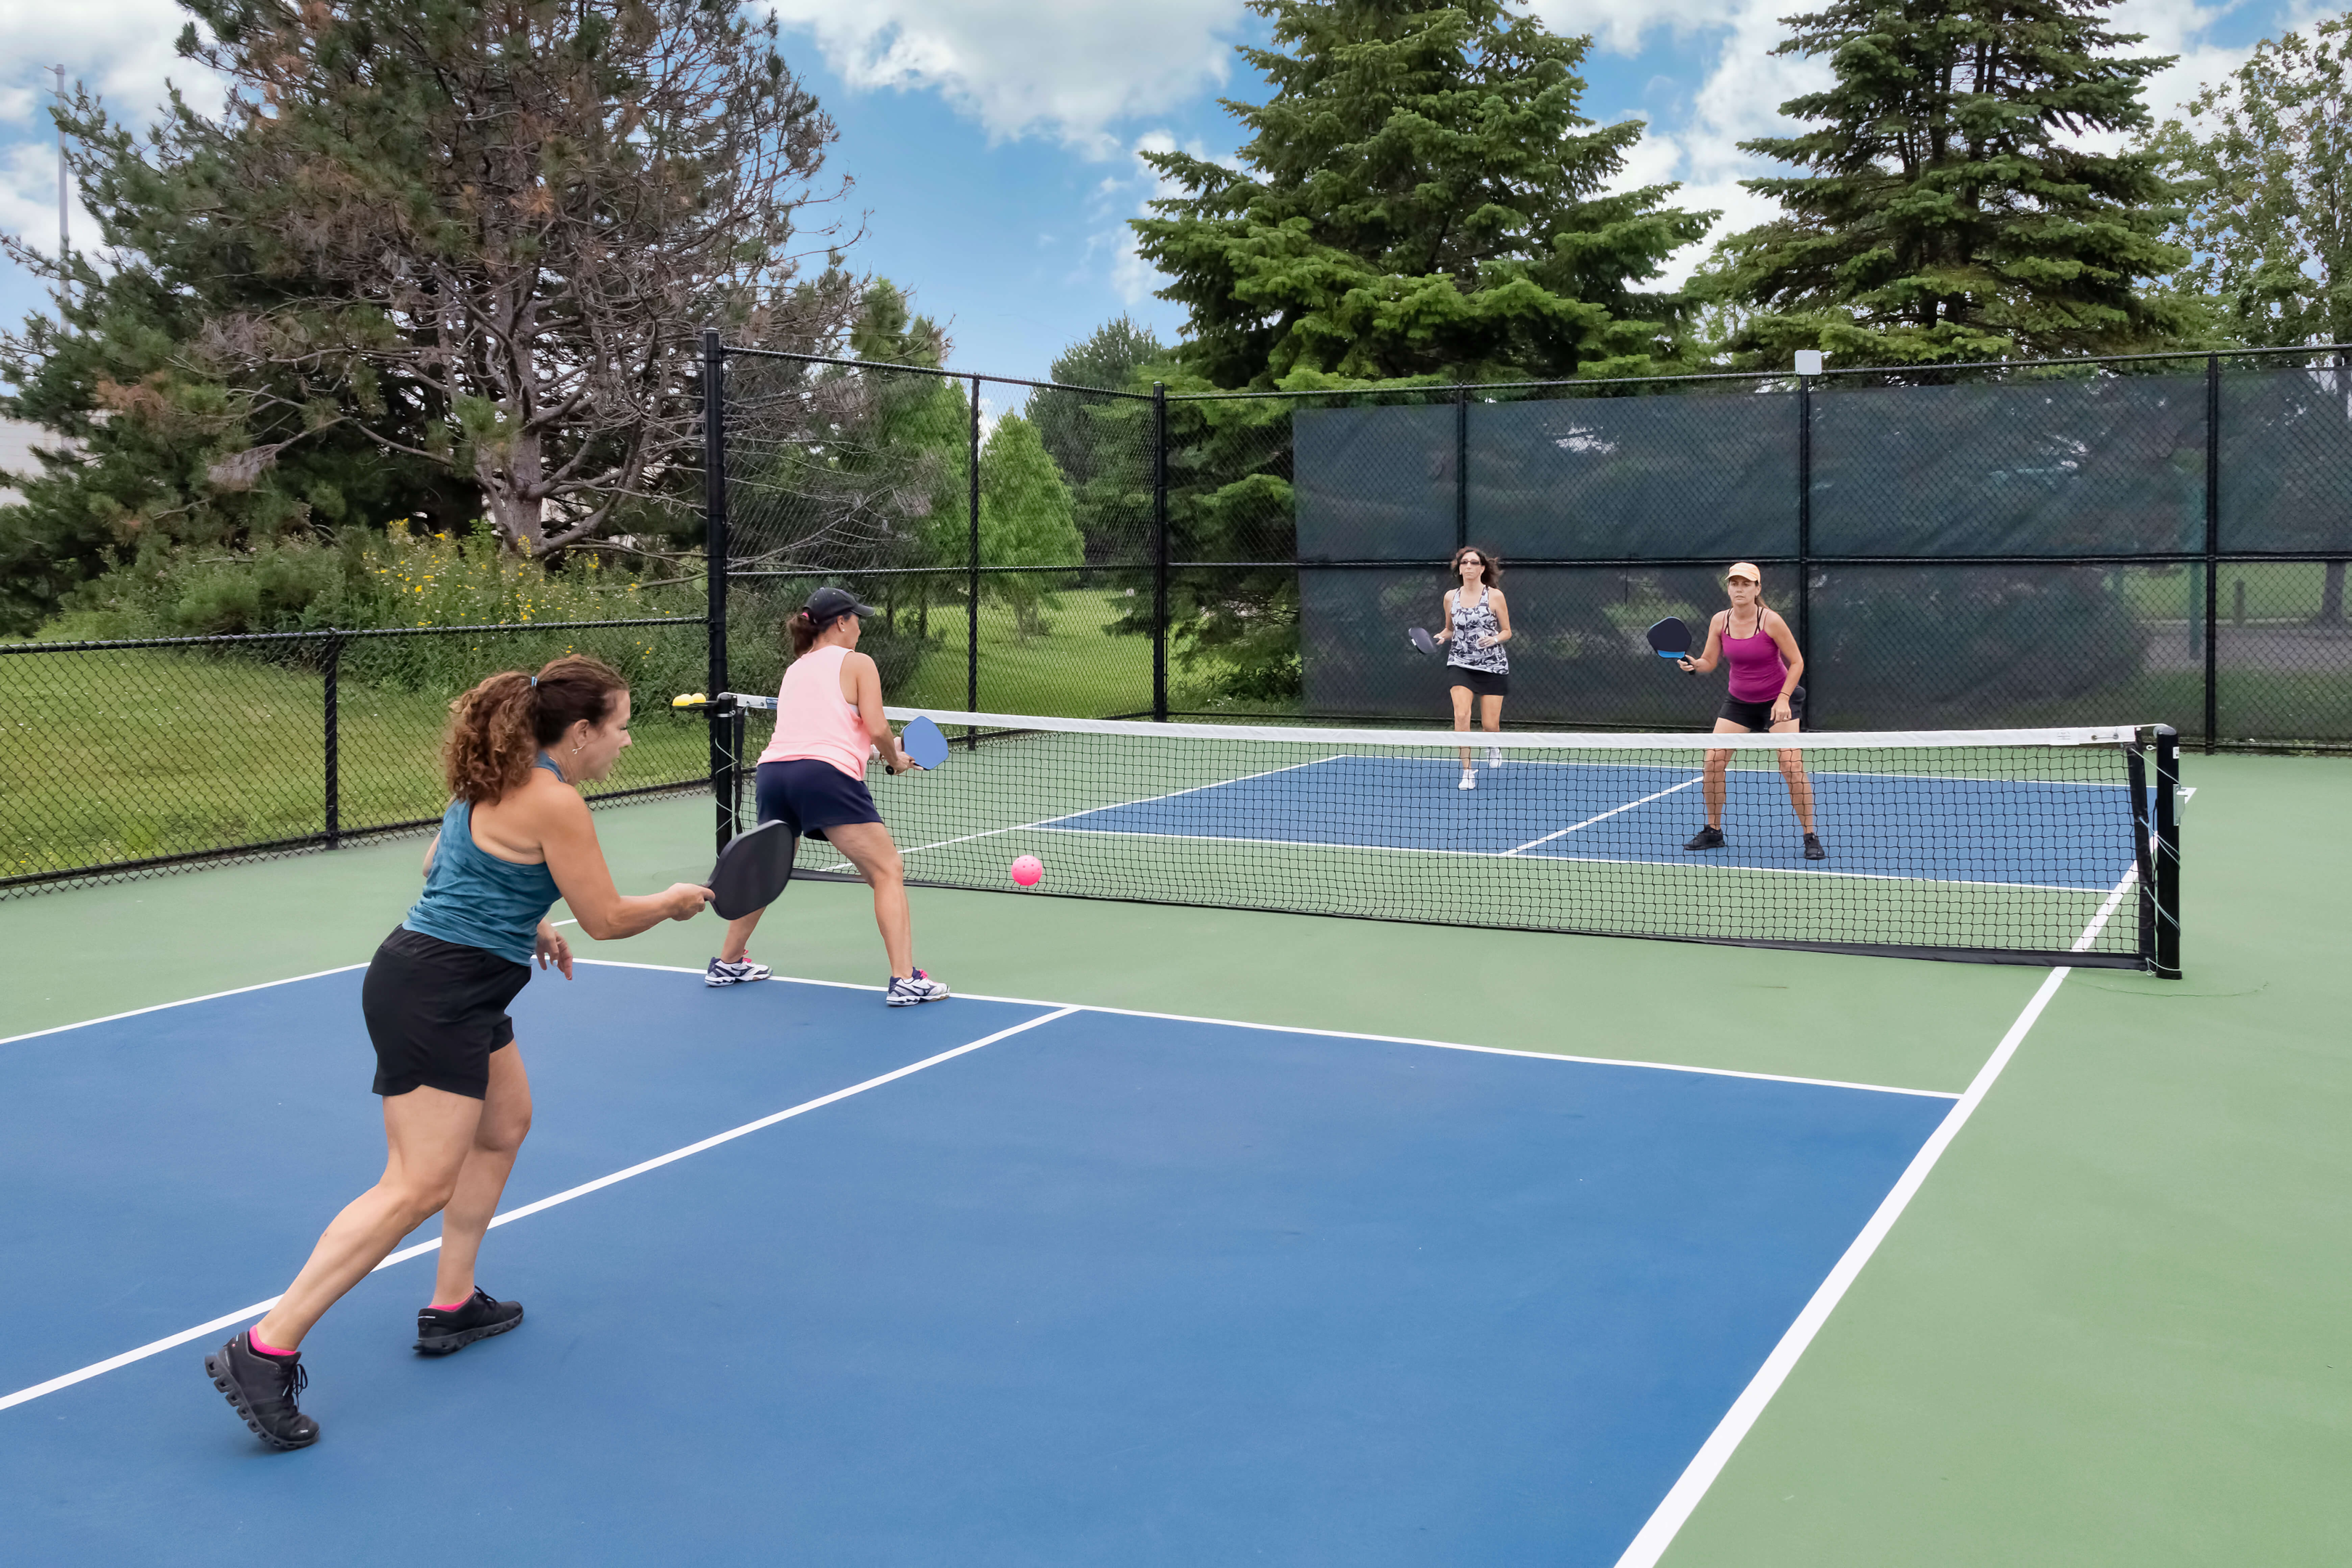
x=1421, y=197
x=1026, y=518
x=1951, y=211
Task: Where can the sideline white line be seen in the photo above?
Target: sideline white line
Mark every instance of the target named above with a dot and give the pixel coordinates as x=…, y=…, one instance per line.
x=1683, y=1497
x=1605, y=815
x=1341, y=1034
x=95, y=1369
x=182, y=1001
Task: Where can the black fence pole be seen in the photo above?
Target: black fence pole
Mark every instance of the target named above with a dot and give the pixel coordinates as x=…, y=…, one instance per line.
x=1461, y=465
x=1159, y=552
x=2212, y=544
x=2168, y=852
x=971, y=606
x=1805, y=545
x=714, y=523
x=335, y=740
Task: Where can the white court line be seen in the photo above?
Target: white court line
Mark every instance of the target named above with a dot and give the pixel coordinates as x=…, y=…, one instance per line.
x=1605, y=815
x=182, y=1001
x=95, y=1369
x=1683, y=1497
x=1337, y=1034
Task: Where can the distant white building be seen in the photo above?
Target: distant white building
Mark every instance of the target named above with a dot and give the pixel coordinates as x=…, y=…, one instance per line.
x=16, y=441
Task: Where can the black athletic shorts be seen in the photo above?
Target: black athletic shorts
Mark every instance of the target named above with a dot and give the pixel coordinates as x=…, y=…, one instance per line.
x=1484, y=682
x=811, y=796
x=1758, y=715
x=436, y=1011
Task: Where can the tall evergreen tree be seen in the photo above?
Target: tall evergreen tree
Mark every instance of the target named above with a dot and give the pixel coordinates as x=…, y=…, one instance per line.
x=1105, y=455
x=1950, y=210
x=1420, y=195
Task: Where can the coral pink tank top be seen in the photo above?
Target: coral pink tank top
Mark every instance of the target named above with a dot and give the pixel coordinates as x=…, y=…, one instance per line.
x=812, y=723
x=1756, y=668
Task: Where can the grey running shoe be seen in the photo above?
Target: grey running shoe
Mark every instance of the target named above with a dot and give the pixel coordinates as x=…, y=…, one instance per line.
x=439, y=1332
x=722, y=972
x=1705, y=839
x=262, y=1389
x=920, y=987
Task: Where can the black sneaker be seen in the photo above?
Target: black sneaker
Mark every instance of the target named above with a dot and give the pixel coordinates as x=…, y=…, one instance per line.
x=262, y=1389
x=439, y=1332
x=1707, y=838
x=1813, y=850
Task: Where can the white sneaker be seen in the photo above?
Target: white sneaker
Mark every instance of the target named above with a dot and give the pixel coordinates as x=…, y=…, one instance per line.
x=920, y=987
x=722, y=972
x=1494, y=756
x=1469, y=780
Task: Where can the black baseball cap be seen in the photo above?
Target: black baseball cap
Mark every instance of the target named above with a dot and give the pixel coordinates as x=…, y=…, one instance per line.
x=829, y=604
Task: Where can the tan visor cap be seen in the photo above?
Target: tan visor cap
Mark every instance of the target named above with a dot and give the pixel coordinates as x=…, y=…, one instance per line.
x=1746, y=569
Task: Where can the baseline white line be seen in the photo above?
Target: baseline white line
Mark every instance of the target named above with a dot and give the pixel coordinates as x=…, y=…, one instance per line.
x=1340, y=1034
x=1605, y=815
x=182, y=1001
x=1683, y=1497
x=96, y=1369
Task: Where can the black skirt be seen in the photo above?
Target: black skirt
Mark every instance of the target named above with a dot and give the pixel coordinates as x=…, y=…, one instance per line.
x=1485, y=682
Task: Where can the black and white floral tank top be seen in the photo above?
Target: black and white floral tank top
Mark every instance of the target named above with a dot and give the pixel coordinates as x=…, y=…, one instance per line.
x=1472, y=622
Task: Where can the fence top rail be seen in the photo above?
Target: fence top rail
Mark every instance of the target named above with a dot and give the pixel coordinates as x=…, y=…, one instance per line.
x=324, y=633
x=884, y=367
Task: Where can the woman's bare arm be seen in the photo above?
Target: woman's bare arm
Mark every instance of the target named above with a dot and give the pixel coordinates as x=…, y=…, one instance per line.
x=1502, y=616
x=1445, y=617
x=861, y=669
x=559, y=819
x=1786, y=641
x=1707, y=661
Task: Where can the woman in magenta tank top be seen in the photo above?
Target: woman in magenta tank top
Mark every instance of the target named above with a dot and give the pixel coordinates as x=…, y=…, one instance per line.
x=829, y=724
x=1767, y=692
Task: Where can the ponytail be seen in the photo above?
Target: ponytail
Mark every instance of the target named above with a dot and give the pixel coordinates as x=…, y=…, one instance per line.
x=804, y=632
x=497, y=730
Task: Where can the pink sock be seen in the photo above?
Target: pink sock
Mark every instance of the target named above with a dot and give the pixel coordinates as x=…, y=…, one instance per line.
x=253, y=1341
x=452, y=1307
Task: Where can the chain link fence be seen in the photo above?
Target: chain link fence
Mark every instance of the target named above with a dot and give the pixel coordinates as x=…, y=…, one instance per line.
x=127, y=759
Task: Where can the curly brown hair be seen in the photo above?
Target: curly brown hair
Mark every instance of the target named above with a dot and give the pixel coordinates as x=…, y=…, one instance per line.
x=1490, y=570
x=497, y=730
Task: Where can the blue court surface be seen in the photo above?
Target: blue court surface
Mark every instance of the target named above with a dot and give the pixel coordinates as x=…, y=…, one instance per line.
x=1109, y=1287
x=2008, y=832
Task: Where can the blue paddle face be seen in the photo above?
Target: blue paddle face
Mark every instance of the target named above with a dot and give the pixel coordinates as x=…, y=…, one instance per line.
x=926, y=747
x=1670, y=638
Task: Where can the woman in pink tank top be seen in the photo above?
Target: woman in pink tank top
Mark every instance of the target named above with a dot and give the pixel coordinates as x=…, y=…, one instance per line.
x=1767, y=693
x=829, y=722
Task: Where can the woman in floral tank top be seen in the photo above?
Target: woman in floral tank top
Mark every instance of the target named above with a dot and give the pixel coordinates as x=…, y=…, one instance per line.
x=1478, y=625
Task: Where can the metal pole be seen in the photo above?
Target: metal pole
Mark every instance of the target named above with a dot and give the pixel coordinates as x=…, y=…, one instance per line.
x=333, y=748
x=2143, y=848
x=1461, y=465
x=2212, y=543
x=1160, y=552
x=714, y=521
x=65, y=236
x=2168, y=852
x=1805, y=545
x=972, y=608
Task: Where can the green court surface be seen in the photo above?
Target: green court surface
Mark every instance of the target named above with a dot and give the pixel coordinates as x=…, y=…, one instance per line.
x=2114, y=1326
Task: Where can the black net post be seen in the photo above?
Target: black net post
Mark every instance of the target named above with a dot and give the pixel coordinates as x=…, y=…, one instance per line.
x=2168, y=852
x=1159, y=552
x=714, y=517
x=2143, y=847
x=1461, y=465
x=2213, y=543
x=971, y=583
x=334, y=760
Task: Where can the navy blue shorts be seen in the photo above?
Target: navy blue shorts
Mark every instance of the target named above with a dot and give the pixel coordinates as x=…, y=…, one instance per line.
x=811, y=796
x=1758, y=715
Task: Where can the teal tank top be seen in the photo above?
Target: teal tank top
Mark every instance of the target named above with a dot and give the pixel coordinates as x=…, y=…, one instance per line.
x=479, y=901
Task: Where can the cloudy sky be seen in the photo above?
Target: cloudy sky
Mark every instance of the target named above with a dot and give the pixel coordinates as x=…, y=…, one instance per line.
x=994, y=141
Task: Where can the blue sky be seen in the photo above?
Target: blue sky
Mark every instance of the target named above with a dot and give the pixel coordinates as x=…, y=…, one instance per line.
x=994, y=141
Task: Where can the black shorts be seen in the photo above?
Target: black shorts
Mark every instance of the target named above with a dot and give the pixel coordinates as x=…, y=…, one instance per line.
x=1485, y=682
x=811, y=796
x=436, y=1011
x=1758, y=715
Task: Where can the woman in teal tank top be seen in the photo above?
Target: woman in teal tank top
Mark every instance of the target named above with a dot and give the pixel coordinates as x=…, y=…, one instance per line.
x=456, y=1103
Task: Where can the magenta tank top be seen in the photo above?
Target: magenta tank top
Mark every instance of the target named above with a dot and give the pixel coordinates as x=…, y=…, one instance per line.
x=1756, y=668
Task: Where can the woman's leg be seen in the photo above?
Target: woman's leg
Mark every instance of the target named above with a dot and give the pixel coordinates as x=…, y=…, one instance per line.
x=498, y=1138
x=1792, y=770
x=738, y=938
x=427, y=1134
x=1718, y=769
x=1490, y=715
x=1460, y=695
x=868, y=847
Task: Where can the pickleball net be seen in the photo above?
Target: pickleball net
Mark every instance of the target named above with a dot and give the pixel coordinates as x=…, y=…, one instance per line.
x=2033, y=846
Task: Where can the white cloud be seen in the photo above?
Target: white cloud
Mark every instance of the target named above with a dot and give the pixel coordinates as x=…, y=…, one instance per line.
x=1070, y=68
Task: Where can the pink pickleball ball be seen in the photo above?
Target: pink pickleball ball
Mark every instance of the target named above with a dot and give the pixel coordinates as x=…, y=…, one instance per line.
x=1028, y=870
